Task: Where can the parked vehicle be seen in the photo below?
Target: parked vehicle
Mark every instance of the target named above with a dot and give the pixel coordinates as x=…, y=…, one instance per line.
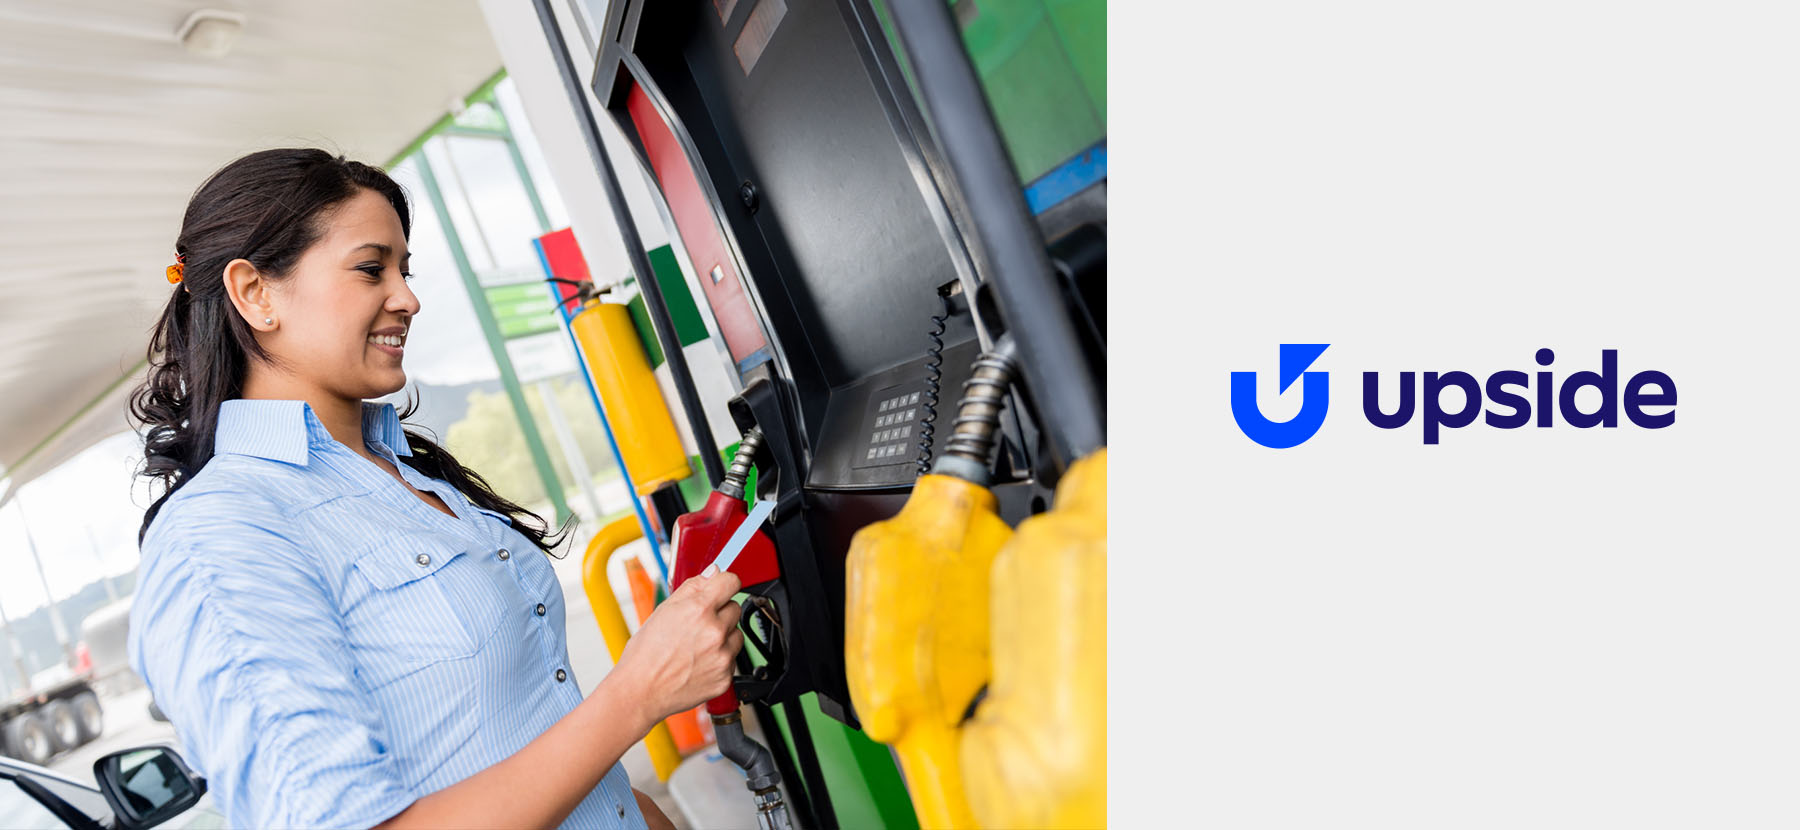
x=103, y=633
x=50, y=718
x=134, y=789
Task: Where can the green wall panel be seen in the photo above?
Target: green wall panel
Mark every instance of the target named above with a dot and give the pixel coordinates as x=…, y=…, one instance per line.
x=1043, y=66
x=682, y=309
x=864, y=783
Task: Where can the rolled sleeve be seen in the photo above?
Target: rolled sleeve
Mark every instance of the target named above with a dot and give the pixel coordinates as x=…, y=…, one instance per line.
x=238, y=637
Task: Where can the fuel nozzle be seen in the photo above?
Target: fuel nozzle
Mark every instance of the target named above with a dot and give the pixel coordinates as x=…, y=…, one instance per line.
x=699, y=537
x=760, y=776
x=772, y=812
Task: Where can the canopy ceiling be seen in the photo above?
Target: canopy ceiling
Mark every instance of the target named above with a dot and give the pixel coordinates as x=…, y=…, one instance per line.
x=107, y=125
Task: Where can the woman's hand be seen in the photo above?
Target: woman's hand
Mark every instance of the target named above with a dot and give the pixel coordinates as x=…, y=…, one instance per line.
x=680, y=657
x=683, y=654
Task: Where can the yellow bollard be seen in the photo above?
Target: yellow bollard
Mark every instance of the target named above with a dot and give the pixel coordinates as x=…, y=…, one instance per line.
x=663, y=755
x=916, y=633
x=1035, y=753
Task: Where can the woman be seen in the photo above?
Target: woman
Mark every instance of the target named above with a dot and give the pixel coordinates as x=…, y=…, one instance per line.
x=347, y=627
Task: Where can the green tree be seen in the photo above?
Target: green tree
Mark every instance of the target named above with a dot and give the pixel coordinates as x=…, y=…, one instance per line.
x=488, y=441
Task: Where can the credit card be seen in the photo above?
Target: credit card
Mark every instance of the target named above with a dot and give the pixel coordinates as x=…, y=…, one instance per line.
x=741, y=537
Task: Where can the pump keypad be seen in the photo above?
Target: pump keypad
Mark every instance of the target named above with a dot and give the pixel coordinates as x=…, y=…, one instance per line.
x=892, y=427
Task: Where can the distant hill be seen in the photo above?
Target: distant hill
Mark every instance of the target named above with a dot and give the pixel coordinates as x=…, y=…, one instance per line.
x=440, y=406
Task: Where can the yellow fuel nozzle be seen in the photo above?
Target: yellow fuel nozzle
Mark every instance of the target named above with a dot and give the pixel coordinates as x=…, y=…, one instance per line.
x=1034, y=755
x=916, y=633
x=916, y=608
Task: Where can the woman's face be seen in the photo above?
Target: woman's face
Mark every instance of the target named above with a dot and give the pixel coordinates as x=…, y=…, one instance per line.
x=343, y=312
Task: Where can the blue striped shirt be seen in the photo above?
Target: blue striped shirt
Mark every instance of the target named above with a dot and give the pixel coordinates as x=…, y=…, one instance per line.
x=330, y=647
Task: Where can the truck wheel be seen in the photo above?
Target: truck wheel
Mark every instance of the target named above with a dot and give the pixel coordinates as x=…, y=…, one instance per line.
x=87, y=715
x=65, y=728
x=28, y=740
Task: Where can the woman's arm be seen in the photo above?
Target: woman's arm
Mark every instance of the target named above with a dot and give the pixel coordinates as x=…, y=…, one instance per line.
x=653, y=815
x=681, y=657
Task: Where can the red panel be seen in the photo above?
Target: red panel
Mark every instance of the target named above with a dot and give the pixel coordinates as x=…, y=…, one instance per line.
x=699, y=230
x=562, y=255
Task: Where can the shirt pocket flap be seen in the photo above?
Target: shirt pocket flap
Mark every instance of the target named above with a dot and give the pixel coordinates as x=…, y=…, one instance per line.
x=537, y=575
x=390, y=567
x=499, y=516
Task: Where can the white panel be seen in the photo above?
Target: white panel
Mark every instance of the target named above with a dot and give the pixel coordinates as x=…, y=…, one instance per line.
x=715, y=389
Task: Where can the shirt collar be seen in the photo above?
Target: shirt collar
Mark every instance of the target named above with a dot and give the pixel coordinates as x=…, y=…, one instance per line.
x=283, y=430
x=382, y=424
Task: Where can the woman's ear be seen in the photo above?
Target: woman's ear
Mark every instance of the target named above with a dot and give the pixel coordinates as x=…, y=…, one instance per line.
x=250, y=294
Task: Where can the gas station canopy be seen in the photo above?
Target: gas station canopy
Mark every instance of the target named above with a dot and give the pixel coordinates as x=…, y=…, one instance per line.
x=108, y=123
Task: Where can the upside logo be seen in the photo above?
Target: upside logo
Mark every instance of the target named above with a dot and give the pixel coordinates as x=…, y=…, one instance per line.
x=1647, y=401
x=1315, y=399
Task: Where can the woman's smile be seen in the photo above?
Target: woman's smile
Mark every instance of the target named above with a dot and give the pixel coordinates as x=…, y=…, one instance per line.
x=391, y=340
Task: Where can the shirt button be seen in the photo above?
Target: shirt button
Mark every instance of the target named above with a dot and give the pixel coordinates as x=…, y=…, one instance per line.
x=505, y=554
x=621, y=811
x=541, y=609
x=424, y=560
x=561, y=675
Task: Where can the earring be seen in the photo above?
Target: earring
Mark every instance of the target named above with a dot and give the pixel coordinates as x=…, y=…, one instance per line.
x=268, y=321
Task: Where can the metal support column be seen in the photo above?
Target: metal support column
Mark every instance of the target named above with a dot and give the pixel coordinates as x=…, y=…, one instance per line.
x=540, y=457
x=559, y=421
x=17, y=653
x=518, y=160
x=50, y=604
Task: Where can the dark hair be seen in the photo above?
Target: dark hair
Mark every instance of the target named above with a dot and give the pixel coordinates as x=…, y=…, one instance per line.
x=267, y=207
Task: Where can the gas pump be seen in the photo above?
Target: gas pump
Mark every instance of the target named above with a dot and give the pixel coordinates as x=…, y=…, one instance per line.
x=859, y=260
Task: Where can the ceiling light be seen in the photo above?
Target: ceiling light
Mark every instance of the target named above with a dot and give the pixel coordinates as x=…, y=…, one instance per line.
x=210, y=33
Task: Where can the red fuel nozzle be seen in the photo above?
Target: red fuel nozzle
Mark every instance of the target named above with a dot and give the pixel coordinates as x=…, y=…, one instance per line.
x=700, y=535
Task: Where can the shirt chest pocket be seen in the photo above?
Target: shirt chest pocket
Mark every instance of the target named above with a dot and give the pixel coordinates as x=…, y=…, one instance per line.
x=424, y=601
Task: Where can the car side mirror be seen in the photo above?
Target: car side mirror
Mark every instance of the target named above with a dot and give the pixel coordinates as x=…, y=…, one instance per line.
x=147, y=786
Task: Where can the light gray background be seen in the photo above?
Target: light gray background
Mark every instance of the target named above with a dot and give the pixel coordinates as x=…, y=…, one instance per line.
x=1513, y=628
